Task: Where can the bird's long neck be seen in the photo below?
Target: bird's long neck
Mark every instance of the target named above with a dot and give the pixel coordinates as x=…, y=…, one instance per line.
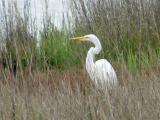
x=91, y=54
x=97, y=48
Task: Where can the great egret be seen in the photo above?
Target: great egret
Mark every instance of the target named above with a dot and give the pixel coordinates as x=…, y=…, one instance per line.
x=100, y=71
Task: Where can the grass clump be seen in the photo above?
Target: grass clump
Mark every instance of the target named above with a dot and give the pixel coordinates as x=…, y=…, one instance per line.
x=128, y=30
x=55, y=49
x=136, y=99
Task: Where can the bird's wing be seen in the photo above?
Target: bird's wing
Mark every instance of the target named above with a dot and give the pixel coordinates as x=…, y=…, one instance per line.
x=105, y=70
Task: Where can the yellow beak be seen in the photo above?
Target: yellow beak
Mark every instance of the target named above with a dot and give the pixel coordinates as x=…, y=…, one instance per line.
x=79, y=38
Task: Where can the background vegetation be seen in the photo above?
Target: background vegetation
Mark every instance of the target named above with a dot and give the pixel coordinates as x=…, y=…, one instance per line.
x=43, y=74
x=128, y=29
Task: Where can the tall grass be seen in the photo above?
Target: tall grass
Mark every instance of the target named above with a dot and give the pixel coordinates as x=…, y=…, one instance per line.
x=56, y=50
x=19, y=36
x=129, y=30
x=50, y=81
x=36, y=98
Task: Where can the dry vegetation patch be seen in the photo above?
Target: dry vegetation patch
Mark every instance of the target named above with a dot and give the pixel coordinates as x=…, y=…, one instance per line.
x=71, y=95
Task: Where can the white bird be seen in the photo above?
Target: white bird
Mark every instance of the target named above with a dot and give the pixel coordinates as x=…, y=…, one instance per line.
x=100, y=71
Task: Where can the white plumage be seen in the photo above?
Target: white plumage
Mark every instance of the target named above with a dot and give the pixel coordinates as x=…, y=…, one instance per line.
x=100, y=71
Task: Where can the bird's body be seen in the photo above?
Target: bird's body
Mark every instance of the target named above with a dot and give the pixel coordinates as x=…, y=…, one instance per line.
x=103, y=73
x=100, y=71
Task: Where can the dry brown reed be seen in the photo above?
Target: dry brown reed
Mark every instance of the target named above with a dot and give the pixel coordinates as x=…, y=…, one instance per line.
x=71, y=95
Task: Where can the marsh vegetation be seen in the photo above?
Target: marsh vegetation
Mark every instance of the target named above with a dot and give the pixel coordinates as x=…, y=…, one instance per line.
x=44, y=77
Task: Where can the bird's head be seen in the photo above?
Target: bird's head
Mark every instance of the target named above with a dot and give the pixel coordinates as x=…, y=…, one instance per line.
x=92, y=38
x=89, y=37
